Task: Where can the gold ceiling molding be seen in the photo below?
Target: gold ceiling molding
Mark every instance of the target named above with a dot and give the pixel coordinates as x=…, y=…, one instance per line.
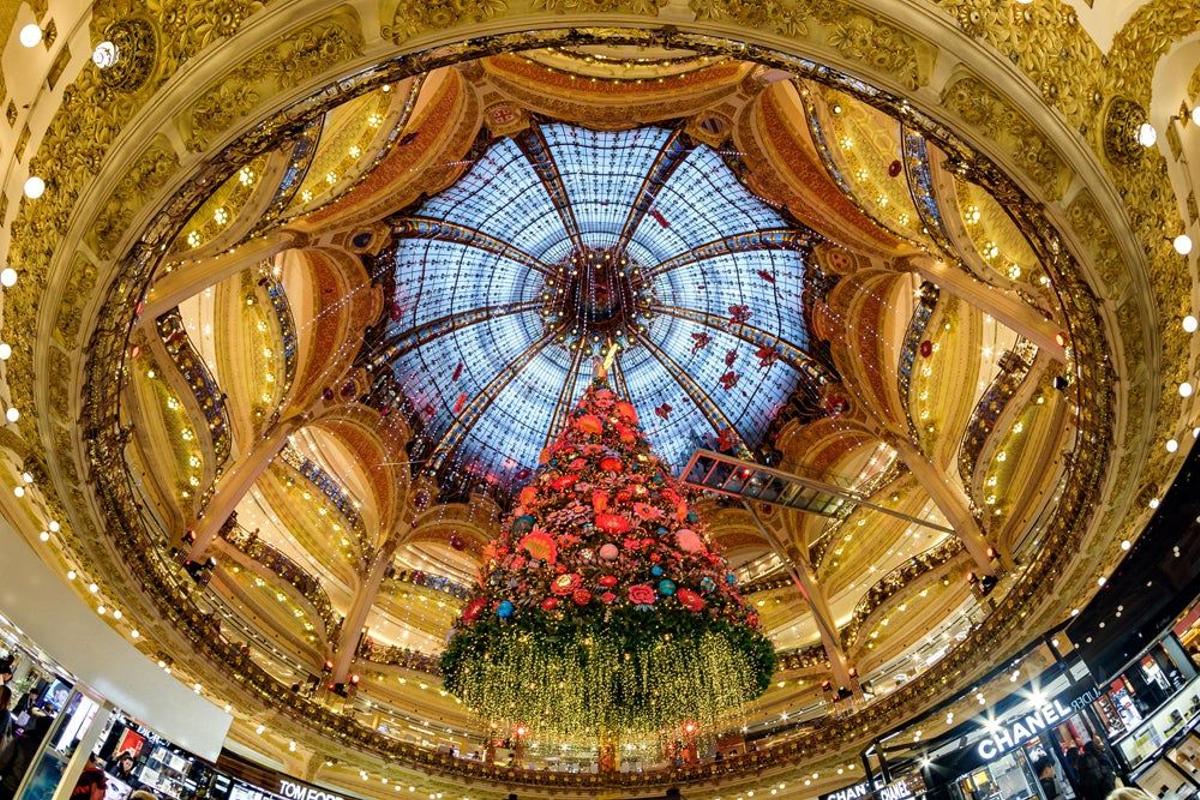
x=613, y=103
x=40, y=227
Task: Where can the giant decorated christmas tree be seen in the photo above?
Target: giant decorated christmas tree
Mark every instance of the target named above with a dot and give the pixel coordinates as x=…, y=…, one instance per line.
x=603, y=610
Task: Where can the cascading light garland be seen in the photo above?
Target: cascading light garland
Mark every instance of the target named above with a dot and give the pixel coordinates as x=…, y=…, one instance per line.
x=603, y=609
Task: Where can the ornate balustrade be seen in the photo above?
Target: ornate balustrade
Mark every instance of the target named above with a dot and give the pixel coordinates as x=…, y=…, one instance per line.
x=1014, y=367
x=289, y=571
x=195, y=372
x=895, y=581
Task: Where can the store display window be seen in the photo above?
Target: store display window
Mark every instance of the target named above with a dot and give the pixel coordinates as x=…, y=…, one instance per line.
x=1180, y=713
x=1009, y=777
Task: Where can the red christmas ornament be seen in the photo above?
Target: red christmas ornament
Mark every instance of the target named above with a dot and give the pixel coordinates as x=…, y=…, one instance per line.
x=690, y=600
x=894, y=168
x=581, y=597
x=457, y=541
x=611, y=464
x=607, y=598
x=642, y=594
x=589, y=423
x=474, y=609
x=607, y=581
x=563, y=482
x=926, y=348
x=549, y=604
x=627, y=412
x=612, y=523
x=567, y=583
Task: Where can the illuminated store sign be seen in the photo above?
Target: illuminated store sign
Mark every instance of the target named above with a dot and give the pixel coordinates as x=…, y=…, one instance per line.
x=1003, y=736
x=855, y=792
x=902, y=789
x=299, y=791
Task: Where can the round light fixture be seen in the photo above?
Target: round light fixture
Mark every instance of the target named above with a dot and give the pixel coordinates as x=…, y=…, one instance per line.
x=1182, y=244
x=12, y=414
x=1185, y=389
x=105, y=54
x=1172, y=445
x=1190, y=324
x=1146, y=135
x=1196, y=115
x=34, y=187
x=1126, y=544
x=30, y=35
x=5, y=351
x=8, y=278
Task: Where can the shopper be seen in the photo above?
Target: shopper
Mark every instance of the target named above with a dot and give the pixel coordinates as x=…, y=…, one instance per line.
x=92, y=783
x=1046, y=777
x=1096, y=777
x=8, y=733
x=24, y=749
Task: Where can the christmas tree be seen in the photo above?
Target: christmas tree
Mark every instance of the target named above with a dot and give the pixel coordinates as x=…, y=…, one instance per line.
x=603, y=609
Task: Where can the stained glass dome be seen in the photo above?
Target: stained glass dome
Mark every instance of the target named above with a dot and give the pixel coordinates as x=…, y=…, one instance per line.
x=562, y=240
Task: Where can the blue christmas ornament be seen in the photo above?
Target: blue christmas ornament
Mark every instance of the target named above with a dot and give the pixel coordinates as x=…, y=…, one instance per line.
x=523, y=524
x=707, y=584
x=666, y=587
x=656, y=571
x=692, y=516
x=731, y=579
x=505, y=609
x=662, y=531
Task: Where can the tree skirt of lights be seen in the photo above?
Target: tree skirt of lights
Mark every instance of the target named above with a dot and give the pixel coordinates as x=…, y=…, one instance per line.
x=603, y=609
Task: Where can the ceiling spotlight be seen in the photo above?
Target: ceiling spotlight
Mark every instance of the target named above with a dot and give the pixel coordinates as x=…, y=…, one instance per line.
x=1190, y=323
x=30, y=35
x=12, y=414
x=1182, y=244
x=34, y=187
x=1126, y=544
x=8, y=278
x=1172, y=445
x=1146, y=135
x=1185, y=389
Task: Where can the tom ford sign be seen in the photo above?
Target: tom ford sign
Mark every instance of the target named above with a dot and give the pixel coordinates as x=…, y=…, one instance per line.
x=1003, y=736
x=300, y=791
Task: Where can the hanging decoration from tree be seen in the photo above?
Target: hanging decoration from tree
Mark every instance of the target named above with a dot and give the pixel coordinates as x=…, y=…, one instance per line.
x=603, y=609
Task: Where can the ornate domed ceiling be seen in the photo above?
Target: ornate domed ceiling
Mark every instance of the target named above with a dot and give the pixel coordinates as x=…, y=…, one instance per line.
x=561, y=241
x=295, y=330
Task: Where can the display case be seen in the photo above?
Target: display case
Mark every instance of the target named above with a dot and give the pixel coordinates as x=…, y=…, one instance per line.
x=1179, y=713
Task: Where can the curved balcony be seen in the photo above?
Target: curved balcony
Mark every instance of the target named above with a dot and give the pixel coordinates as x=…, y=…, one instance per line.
x=1014, y=367
x=895, y=582
x=306, y=584
x=190, y=364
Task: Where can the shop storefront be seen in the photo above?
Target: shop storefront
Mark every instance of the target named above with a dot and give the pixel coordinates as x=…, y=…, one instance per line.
x=1026, y=746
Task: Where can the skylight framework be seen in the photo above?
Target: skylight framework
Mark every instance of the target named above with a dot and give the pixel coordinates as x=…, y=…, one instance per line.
x=698, y=281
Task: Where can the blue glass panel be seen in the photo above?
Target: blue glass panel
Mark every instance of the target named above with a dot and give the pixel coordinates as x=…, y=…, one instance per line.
x=487, y=386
